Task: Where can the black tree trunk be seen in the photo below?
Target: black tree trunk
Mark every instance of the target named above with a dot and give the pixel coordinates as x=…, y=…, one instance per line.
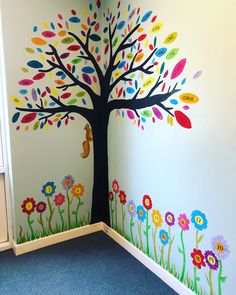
x=100, y=205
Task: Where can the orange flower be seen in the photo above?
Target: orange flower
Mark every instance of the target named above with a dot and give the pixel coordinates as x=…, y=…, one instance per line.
x=156, y=218
x=77, y=190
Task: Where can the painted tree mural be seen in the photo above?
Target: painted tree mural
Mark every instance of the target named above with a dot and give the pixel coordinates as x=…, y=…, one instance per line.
x=95, y=63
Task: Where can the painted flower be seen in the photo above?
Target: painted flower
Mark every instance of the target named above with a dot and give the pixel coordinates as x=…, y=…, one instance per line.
x=211, y=259
x=77, y=190
x=141, y=213
x=59, y=199
x=147, y=202
x=131, y=208
x=68, y=182
x=183, y=222
x=115, y=186
x=41, y=207
x=199, y=220
x=198, y=258
x=164, y=237
x=220, y=247
x=48, y=189
x=122, y=197
x=156, y=218
x=170, y=218
x=28, y=205
x=111, y=196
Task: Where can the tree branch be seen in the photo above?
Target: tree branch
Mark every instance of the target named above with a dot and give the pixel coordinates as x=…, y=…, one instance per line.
x=61, y=66
x=86, y=113
x=89, y=54
x=144, y=102
x=133, y=69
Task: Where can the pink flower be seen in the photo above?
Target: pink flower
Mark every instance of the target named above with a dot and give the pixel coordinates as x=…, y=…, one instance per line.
x=59, y=199
x=183, y=222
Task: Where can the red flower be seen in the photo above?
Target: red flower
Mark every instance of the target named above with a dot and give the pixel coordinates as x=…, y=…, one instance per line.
x=147, y=202
x=111, y=196
x=198, y=258
x=28, y=205
x=115, y=186
x=122, y=197
x=59, y=199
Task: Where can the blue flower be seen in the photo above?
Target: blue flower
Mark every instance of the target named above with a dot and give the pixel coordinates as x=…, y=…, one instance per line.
x=141, y=213
x=48, y=189
x=164, y=237
x=199, y=220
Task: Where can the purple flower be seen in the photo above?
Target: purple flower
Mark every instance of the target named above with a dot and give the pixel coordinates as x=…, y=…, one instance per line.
x=41, y=207
x=68, y=182
x=220, y=247
x=211, y=260
x=131, y=208
x=170, y=218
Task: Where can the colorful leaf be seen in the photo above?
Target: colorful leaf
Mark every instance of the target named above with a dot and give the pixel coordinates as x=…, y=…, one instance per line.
x=189, y=98
x=178, y=69
x=35, y=64
x=171, y=38
x=28, y=118
x=183, y=120
x=94, y=37
x=146, y=16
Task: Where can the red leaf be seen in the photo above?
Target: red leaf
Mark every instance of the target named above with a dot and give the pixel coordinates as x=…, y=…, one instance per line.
x=68, y=67
x=154, y=18
x=28, y=118
x=66, y=95
x=183, y=120
x=142, y=37
x=39, y=76
x=43, y=94
x=120, y=92
x=106, y=49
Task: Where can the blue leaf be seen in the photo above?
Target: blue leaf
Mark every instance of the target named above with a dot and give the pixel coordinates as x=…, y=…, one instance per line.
x=130, y=90
x=74, y=19
x=161, y=51
x=23, y=91
x=88, y=70
x=15, y=117
x=121, y=65
x=146, y=16
x=121, y=25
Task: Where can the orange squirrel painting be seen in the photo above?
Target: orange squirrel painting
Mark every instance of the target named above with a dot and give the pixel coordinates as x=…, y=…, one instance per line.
x=86, y=143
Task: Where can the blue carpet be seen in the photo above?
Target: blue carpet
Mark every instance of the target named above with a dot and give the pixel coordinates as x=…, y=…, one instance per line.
x=89, y=265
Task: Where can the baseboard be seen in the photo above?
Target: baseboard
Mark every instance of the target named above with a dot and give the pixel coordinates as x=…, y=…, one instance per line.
x=57, y=238
x=5, y=246
x=164, y=275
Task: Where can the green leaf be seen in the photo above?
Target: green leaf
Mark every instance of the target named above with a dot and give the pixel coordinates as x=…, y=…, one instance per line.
x=30, y=50
x=200, y=238
x=115, y=41
x=146, y=114
x=149, y=226
x=31, y=222
x=76, y=61
x=36, y=125
x=144, y=232
x=73, y=212
x=223, y=279
x=198, y=279
x=62, y=211
x=172, y=53
x=45, y=103
x=80, y=94
x=72, y=101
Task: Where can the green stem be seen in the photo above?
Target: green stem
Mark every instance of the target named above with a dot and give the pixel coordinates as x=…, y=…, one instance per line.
x=116, y=211
x=42, y=224
x=62, y=219
x=154, y=234
x=123, y=219
x=147, y=229
x=140, y=234
x=184, y=257
x=169, y=248
x=195, y=268
x=68, y=209
x=77, y=213
x=131, y=224
x=110, y=212
x=210, y=282
x=219, y=277
x=51, y=211
x=30, y=226
x=162, y=256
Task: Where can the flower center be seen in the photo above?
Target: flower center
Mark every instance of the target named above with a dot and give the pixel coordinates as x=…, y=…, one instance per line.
x=48, y=189
x=219, y=247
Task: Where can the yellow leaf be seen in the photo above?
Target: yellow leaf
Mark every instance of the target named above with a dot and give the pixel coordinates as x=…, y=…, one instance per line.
x=146, y=43
x=157, y=27
x=17, y=102
x=140, y=30
x=50, y=75
x=121, y=120
x=130, y=55
x=46, y=127
x=72, y=27
x=189, y=98
x=84, y=11
x=148, y=82
x=45, y=25
x=56, y=43
x=42, y=57
x=171, y=38
x=54, y=92
x=117, y=74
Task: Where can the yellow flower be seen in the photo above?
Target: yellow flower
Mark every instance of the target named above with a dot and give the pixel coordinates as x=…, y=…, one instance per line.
x=156, y=218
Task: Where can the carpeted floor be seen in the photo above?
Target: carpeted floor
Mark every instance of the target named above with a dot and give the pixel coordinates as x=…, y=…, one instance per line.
x=89, y=265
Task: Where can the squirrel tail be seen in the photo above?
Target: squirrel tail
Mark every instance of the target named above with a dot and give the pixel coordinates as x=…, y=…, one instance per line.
x=86, y=149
